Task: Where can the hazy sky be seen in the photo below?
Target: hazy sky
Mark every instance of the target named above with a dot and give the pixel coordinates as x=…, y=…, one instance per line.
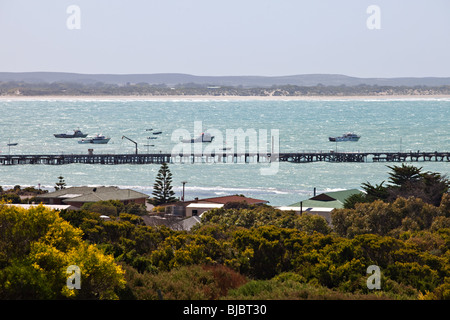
x=227, y=37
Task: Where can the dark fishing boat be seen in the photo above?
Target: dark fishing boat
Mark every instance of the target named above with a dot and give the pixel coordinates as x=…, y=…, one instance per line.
x=75, y=134
x=345, y=137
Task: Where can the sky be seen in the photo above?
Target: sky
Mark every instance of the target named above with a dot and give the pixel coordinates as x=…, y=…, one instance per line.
x=361, y=38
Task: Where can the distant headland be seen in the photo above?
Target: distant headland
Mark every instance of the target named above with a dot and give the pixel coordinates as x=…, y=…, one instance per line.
x=38, y=84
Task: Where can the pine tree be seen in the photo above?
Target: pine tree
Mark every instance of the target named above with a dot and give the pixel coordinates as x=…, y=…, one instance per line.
x=162, y=189
x=405, y=175
x=61, y=184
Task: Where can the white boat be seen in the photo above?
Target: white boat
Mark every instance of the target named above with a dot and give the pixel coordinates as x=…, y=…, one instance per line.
x=204, y=137
x=346, y=137
x=98, y=139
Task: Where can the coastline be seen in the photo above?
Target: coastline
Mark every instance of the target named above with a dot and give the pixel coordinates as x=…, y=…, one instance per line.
x=211, y=97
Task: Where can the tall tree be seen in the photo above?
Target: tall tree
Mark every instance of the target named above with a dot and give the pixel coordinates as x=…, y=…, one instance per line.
x=61, y=184
x=162, y=189
x=405, y=175
x=406, y=181
x=409, y=181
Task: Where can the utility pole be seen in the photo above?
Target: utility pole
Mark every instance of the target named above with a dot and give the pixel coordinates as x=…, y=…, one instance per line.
x=182, y=197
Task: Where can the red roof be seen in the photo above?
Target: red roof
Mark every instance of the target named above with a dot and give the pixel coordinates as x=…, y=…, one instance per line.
x=233, y=198
x=222, y=200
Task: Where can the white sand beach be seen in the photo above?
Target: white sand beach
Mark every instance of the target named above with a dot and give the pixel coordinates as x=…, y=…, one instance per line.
x=210, y=97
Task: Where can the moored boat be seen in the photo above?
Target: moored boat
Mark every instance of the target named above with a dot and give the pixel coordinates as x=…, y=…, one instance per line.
x=75, y=134
x=204, y=137
x=98, y=139
x=346, y=137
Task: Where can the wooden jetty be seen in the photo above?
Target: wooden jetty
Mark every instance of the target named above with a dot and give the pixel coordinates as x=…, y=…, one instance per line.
x=158, y=158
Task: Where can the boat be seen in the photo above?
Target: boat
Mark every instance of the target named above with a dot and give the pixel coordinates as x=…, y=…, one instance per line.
x=75, y=134
x=11, y=144
x=157, y=132
x=204, y=137
x=345, y=137
x=98, y=139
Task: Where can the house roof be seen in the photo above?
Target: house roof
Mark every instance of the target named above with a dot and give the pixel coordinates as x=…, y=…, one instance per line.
x=74, y=191
x=233, y=198
x=188, y=223
x=204, y=205
x=339, y=195
x=322, y=204
x=218, y=200
x=49, y=206
x=305, y=209
x=333, y=199
x=93, y=194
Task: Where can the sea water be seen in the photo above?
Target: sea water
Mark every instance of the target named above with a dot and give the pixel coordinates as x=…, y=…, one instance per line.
x=303, y=125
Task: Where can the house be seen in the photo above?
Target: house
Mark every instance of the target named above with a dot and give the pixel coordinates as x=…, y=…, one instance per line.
x=196, y=209
x=77, y=196
x=198, y=206
x=323, y=203
x=188, y=223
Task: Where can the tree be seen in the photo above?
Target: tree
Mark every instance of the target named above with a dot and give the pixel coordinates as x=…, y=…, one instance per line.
x=404, y=175
x=409, y=181
x=376, y=192
x=405, y=181
x=61, y=184
x=162, y=189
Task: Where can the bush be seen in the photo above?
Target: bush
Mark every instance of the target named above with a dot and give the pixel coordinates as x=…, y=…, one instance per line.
x=37, y=246
x=383, y=218
x=289, y=289
x=193, y=282
x=102, y=207
x=159, y=209
x=311, y=223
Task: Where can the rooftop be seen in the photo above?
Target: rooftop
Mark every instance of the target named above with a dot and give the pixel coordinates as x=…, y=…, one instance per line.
x=205, y=205
x=49, y=206
x=333, y=199
x=233, y=198
x=93, y=194
x=219, y=200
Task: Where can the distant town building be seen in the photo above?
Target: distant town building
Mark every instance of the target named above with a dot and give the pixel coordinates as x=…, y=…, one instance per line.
x=77, y=196
x=198, y=206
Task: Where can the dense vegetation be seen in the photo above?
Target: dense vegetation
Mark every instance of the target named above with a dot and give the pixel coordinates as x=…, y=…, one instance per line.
x=244, y=252
x=78, y=89
x=36, y=248
x=17, y=194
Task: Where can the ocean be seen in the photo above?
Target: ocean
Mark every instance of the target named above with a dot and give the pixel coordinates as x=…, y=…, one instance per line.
x=301, y=125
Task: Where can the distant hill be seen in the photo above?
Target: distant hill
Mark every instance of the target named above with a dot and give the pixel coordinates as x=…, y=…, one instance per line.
x=245, y=81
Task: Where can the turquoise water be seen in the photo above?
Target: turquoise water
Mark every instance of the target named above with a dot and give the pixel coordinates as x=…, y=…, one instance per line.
x=384, y=125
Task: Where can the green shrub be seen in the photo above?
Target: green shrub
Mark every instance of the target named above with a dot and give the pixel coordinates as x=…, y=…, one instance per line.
x=193, y=282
